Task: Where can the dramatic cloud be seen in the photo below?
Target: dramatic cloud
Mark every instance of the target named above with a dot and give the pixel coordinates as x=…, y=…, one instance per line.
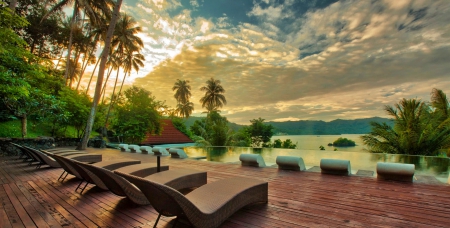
x=297, y=60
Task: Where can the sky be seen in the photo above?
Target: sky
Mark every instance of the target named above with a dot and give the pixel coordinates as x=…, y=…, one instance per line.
x=295, y=60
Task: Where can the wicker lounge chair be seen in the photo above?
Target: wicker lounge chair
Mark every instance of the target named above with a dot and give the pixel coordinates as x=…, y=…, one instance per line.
x=121, y=187
x=207, y=206
x=64, y=152
x=89, y=177
x=23, y=154
x=88, y=158
x=45, y=159
x=178, y=179
x=27, y=155
x=146, y=150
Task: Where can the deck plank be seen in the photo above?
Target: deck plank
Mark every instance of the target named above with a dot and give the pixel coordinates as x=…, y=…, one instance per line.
x=33, y=197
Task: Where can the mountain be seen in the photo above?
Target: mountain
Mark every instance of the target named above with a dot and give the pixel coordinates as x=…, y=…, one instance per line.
x=315, y=127
x=335, y=127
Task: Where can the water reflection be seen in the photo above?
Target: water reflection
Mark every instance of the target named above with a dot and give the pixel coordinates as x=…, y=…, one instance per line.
x=425, y=165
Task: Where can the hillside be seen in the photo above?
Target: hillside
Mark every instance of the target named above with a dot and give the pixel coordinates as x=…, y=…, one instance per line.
x=335, y=127
x=315, y=127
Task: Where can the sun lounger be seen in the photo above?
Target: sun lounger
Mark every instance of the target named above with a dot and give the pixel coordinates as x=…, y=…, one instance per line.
x=22, y=153
x=36, y=157
x=160, y=151
x=90, y=178
x=395, y=171
x=45, y=159
x=290, y=163
x=58, y=149
x=146, y=150
x=124, y=147
x=25, y=154
x=88, y=158
x=134, y=148
x=335, y=167
x=65, y=152
x=177, y=153
x=255, y=160
x=207, y=206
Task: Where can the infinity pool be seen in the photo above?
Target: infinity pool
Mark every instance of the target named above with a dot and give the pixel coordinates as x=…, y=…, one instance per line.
x=425, y=165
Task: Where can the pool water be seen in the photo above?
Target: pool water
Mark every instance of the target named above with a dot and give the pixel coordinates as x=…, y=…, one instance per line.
x=425, y=165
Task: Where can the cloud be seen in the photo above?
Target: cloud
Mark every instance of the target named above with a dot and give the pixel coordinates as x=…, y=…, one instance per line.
x=346, y=60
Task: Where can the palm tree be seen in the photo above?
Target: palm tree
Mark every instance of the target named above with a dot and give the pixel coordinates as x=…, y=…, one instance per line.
x=74, y=71
x=416, y=131
x=183, y=91
x=214, y=97
x=125, y=34
x=131, y=61
x=185, y=109
x=440, y=102
x=101, y=72
x=125, y=42
x=210, y=108
x=92, y=8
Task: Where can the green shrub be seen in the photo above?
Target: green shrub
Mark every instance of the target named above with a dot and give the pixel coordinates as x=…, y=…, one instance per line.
x=344, y=142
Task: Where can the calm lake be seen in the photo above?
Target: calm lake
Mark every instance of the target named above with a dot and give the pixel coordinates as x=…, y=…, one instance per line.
x=308, y=149
x=313, y=142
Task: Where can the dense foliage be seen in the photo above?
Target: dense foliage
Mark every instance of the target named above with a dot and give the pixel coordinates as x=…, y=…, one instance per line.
x=136, y=115
x=215, y=130
x=420, y=128
x=260, y=133
x=288, y=144
x=344, y=142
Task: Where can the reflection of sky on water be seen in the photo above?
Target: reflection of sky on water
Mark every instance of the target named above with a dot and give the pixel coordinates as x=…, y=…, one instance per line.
x=313, y=142
x=434, y=166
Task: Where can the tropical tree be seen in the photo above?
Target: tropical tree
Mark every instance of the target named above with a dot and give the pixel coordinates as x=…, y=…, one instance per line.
x=441, y=104
x=101, y=72
x=92, y=8
x=259, y=132
x=137, y=115
x=20, y=75
x=213, y=130
x=74, y=71
x=213, y=98
x=182, y=91
x=185, y=109
x=417, y=130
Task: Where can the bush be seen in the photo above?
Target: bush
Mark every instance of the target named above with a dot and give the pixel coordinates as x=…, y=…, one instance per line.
x=344, y=142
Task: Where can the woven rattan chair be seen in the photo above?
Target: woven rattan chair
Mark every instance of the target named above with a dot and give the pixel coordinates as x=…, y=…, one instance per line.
x=69, y=169
x=64, y=152
x=91, y=178
x=121, y=187
x=23, y=154
x=46, y=160
x=207, y=206
x=26, y=155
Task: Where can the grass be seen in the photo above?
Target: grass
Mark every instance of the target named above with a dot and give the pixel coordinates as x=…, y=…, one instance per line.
x=12, y=129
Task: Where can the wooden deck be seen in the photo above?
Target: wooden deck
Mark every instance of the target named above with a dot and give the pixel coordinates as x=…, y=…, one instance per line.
x=34, y=198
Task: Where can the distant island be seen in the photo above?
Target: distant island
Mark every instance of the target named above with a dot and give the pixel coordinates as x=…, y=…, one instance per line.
x=343, y=142
x=316, y=127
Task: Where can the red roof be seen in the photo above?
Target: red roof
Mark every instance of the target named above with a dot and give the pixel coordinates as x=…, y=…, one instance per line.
x=169, y=135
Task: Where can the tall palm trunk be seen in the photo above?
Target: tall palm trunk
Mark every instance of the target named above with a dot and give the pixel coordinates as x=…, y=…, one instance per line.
x=59, y=59
x=69, y=46
x=72, y=76
x=92, y=75
x=121, y=85
x=106, y=83
x=112, y=100
x=86, y=58
x=101, y=72
x=83, y=67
